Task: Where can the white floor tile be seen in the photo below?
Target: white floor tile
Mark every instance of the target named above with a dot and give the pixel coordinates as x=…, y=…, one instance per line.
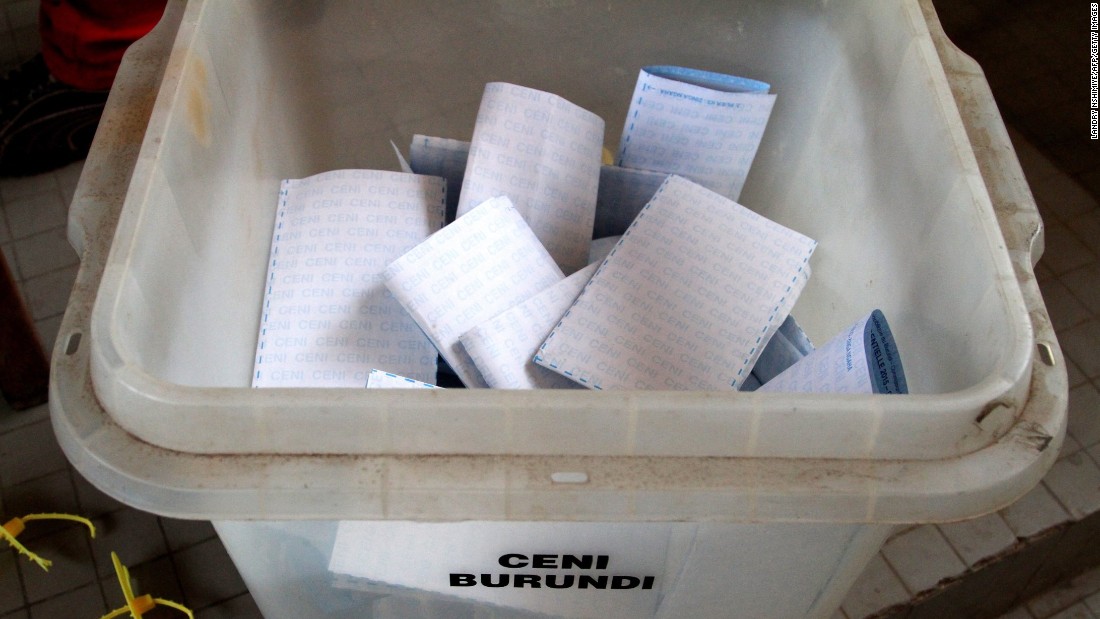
x=1065, y=309
x=1036, y=165
x=1063, y=196
x=15, y=188
x=1074, y=374
x=876, y=589
x=29, y=452
x=1075, y=482
x=1065, y=595
x=1064, y=252
x=11, y=419
x=1084, y=284
x=35, y=213
x=47, y=295
x=922, y=558
x=44, y=252
x=67, y=179
x=1082, y=344
x=1084, y=414
x=979, y=538
x=47, y=330
x=1070, y=446
x=1042, y=273
x=1035, y=512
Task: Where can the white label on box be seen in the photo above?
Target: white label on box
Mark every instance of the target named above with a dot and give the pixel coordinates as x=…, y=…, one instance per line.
x=862, y=359
x=377, y=379
x=687, y=300
x=543, y=152
x=327, y=318
x=475, y=268
x=503, y=347
x=700, y=125
x=564, y=569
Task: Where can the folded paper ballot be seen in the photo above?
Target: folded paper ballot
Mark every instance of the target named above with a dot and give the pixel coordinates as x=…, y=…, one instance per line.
x=688, y=299
x=326, y=317
x=701, y=125
x=482, y=264
x=695, y=295
x=543, y=152
x=502, y=348
x=862, y=359
x=621, y=195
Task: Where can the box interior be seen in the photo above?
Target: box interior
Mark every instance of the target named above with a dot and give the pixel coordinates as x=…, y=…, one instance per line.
x=859, y=154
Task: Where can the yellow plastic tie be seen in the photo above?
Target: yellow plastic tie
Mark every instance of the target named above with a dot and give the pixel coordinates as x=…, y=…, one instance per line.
x=606, y=158
x=12, y=528
x=137, y=607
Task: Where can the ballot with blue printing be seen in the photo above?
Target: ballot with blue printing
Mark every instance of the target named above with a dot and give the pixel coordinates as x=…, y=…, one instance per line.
x=620, y=195
x=702, y=125
x=863, y=358
x=327, y=319
x=687, y=299
x=502, y=347
x=543, y=152
x=485, y=262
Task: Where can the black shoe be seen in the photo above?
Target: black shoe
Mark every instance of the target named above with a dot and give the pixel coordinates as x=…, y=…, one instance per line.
x=44, y=124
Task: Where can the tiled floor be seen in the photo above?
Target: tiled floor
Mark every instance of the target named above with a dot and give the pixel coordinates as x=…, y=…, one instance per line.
x=916, y=560
x=184, y=561
x=178, y=560
x=1024, y=45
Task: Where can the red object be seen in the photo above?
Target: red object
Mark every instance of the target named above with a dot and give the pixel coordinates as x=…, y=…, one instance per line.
x=83, y=40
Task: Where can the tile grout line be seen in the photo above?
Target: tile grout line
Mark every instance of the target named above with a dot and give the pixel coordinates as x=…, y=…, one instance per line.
x=172, y=559
x=91, y=549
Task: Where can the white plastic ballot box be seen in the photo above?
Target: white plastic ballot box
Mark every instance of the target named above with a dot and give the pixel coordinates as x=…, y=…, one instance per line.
x=884, y=145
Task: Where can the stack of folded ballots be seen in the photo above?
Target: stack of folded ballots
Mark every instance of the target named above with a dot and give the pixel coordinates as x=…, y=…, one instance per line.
x=683, y=288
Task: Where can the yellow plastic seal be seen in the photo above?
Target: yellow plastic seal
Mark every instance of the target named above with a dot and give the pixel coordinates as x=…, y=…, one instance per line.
x=138, y=606
x=12, y=528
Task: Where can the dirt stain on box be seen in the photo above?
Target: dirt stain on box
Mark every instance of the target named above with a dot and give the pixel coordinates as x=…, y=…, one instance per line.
x=198, y=105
